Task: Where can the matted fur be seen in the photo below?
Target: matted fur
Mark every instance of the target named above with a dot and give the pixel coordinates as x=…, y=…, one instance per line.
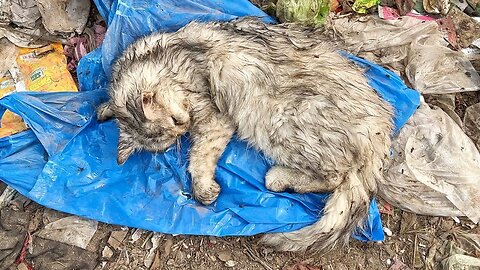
x=284, y=89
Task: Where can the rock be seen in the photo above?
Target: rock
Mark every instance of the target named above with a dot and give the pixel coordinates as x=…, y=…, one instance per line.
x=137, y=234
x=22, y=266
x=224, y=256
x=230, y=263
x=107, y=253
x=116, y=238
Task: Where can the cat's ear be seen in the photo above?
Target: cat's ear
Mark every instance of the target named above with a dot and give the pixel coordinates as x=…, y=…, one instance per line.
x=126, y=147
x=149, y=105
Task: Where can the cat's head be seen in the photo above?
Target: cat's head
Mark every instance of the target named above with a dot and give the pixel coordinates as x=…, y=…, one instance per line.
x=152, y=112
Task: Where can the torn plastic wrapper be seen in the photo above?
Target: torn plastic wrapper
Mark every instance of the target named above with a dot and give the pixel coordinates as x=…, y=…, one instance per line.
x=436, y=6
x=471, y=123
x=70, y=159
x=36, y=23
x=434, y=169
x=8, y=53
x=64, y=16
x=24, y=13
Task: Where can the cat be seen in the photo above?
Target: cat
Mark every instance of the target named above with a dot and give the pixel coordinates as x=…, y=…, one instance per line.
x=284, y=89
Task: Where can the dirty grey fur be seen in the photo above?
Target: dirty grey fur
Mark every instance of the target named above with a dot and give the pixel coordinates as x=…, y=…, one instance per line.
x=284, y=89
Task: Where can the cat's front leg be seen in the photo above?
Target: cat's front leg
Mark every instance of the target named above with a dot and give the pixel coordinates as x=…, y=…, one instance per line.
x=210, y=134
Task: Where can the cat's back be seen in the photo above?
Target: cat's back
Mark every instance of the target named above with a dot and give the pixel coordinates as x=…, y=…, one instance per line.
x=285, y=62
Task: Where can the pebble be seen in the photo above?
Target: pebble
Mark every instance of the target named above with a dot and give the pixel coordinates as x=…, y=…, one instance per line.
x=107, y=253
x=387, y=231
x=212, y=240
x=224, y=256
x=22, y=266
x=230, y=263
x=170, y=262
x=389, y=262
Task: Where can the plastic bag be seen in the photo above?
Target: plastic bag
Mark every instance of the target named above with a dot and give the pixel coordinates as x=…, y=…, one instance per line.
x=434, y=169
x=70, y=161
x=430, y=66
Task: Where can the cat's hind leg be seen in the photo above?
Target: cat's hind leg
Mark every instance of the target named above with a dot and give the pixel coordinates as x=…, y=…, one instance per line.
x=280, y=178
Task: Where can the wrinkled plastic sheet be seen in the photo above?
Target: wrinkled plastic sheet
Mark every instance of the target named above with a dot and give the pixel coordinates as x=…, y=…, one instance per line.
x=412, y=47
x=435, y=168
x=67, y=161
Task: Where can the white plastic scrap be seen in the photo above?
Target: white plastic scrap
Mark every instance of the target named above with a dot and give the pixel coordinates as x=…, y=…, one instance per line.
x=411, y=46
x=7, y=196
x=150, y=256
x=72, y=230
x=64, y=15
x=434, y=169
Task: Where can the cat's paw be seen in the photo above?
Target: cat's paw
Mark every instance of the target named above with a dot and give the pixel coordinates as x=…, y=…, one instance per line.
x=104, y=112
x=206, y=192
x=273, y=180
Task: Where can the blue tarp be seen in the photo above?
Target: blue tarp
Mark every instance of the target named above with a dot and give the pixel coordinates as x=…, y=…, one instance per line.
x=67, y=160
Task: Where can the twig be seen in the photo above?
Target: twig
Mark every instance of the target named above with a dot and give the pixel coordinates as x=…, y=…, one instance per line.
x=254, y=257
x=414, y=250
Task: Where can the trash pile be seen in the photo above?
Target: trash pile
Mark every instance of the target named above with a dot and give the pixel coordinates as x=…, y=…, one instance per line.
x=63, y=47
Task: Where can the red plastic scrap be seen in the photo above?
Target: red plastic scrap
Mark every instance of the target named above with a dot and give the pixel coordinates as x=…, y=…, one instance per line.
x=23, y=252
x=447, y=26
x=385, y=208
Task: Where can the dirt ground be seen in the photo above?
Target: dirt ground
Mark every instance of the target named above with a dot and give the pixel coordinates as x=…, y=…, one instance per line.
x=417, y=241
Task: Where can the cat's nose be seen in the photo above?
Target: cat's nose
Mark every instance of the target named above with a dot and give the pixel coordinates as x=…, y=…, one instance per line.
x=180, y=120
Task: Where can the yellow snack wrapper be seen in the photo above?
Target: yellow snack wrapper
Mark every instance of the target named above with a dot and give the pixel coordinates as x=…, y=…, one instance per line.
x=45, y=69
x=40, y=70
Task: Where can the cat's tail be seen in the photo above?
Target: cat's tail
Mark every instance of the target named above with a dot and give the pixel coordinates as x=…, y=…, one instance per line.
x=345, y=210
